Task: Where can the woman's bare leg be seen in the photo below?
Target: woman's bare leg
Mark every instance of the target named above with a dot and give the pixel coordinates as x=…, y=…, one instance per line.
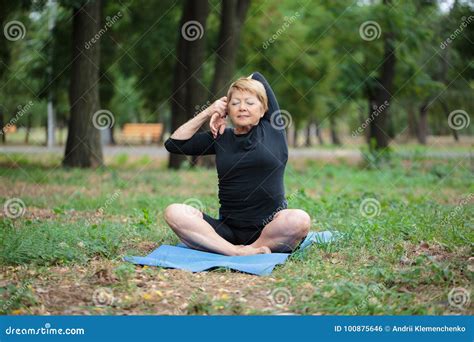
x=287, y=229
x=188, y=224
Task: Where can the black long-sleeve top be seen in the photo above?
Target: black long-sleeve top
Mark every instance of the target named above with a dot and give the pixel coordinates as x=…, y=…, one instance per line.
x=250, y=166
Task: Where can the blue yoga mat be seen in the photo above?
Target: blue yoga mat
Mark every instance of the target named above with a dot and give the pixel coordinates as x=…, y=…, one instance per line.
x=182, y=257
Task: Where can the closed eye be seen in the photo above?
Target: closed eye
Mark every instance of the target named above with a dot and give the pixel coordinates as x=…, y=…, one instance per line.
x=236, y=103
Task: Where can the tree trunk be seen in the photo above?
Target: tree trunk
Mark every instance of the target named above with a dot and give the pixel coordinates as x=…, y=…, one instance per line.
x=412, y=122
x=178, y=112
x=7, y=7
x=382, y=94
x=422, y=127
x=28, y=129
x=83, y=146
x=233, y=13
x=334, y=136
x=188, y=91
x=308, y=135
x=319, y=134
x=2, y=124
x=455, y=134
x=446, y=110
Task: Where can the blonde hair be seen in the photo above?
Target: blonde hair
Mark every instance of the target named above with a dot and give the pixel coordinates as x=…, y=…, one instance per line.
x=252, y=86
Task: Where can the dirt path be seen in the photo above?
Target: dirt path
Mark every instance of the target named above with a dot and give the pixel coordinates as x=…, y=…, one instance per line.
x=160, y=152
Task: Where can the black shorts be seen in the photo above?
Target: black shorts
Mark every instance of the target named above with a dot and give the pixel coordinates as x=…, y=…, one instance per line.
x=235, y=235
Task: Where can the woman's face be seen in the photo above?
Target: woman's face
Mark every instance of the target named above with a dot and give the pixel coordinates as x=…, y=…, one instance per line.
x=244, y=109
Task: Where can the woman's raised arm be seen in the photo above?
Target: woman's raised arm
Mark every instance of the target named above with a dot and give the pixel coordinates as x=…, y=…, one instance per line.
x=273, y=107
x=186, y=141
x=188, y=129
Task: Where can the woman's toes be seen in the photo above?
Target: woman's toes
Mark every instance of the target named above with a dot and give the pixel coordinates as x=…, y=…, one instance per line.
x=241, y=250
x=249, y=250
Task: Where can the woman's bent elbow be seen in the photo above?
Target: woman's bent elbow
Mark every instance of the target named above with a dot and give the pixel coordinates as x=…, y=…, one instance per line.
x=171, y=147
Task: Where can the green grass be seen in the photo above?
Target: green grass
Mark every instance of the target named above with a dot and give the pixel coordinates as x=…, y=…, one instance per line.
x=404, y=260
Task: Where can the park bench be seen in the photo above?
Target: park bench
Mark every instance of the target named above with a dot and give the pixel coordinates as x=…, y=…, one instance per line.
x=9, y=129
x=143, y=132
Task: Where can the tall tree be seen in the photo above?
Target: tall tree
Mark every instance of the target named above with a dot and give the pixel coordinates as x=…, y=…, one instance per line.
x=188, y=90
x=83, y=147
x=233, y=13
x=6, y=8
x=381, y=92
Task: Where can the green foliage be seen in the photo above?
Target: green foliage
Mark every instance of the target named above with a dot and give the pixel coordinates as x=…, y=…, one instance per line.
x=312, y=54
x=46, y=243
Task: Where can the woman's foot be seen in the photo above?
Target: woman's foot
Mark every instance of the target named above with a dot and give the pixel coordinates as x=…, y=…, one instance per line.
x=249, y=250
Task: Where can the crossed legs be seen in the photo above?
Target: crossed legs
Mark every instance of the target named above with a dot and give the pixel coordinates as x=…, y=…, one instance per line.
x=287, y=229
x=282, y=234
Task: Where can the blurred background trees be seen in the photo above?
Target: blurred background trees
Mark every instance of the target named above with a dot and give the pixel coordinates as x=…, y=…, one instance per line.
x=345, y=72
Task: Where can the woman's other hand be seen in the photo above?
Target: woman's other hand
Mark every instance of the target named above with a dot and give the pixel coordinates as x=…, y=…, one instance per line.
x=219, y=106
x=217, y=124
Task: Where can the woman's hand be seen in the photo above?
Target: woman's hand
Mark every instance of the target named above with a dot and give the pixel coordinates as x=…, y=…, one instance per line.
x=217, y=124
x=189, y=128
x=218, y=113
x=219, y=106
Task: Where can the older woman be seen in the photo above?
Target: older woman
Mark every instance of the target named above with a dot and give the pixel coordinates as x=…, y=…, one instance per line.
x=250, y=160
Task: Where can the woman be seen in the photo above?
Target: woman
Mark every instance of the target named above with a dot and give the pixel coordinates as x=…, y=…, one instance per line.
x=250, y=160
